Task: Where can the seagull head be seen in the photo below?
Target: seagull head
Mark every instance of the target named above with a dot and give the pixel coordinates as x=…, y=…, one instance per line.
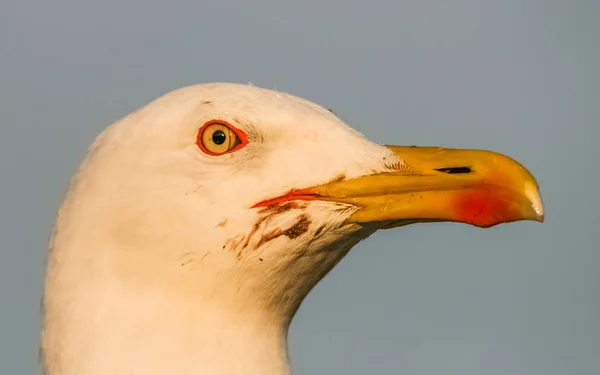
x=238, y=200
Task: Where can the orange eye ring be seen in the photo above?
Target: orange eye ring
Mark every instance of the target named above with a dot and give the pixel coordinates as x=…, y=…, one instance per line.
x=217, y=137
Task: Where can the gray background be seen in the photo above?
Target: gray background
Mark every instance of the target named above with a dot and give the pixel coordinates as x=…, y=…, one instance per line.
x=519, y=77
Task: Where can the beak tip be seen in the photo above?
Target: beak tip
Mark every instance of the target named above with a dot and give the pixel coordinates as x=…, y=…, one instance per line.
x=532, y=193
x=538, y=213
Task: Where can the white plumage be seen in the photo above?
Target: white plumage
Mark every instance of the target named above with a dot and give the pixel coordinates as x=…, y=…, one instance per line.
x=162, y=262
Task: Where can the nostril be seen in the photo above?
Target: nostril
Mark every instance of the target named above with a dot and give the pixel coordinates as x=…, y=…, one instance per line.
x=455, y=170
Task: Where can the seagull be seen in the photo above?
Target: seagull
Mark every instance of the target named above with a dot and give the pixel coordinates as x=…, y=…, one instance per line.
x=195, y=227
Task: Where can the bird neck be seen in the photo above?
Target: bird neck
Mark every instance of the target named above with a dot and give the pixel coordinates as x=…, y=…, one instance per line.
x=119, y=331
x=126, y=294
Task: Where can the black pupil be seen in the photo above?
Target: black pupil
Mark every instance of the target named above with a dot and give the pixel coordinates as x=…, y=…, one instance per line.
x=219, y=137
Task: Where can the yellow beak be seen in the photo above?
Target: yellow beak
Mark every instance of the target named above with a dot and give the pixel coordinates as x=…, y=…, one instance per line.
x=481, y=188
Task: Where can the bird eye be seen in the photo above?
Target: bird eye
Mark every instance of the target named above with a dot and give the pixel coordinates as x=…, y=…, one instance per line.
x=218, y=138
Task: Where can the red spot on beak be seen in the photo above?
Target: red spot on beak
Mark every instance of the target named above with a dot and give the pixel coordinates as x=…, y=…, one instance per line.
x=486, y=207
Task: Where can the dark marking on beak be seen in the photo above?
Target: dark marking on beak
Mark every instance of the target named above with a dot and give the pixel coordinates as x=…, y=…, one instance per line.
x=455, y=170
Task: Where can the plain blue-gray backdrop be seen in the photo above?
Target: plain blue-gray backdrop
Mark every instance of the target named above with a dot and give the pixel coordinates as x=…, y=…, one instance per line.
x=516, y=76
